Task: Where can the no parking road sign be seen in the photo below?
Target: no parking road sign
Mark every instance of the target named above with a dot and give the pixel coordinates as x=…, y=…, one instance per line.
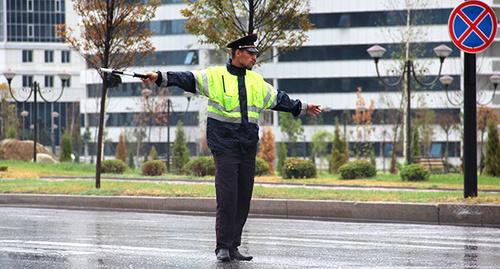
x=472, y=26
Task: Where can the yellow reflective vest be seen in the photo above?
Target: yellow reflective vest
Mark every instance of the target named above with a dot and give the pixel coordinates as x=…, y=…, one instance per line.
x=221, y=88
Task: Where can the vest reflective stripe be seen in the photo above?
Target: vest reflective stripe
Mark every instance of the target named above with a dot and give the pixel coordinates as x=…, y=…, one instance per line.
x=255, y=109
x=201, y=82
x=270, y=94
x=221, y=108
x=221, y=88
x=253, y=117
x=222, y=118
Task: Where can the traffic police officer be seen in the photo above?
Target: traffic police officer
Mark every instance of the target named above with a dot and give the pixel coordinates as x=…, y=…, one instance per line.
x=236, y=97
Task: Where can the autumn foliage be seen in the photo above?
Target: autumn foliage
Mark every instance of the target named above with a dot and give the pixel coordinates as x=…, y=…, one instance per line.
x=279, y=23
x=111, y=33
x=267, y=149
x=121, y=149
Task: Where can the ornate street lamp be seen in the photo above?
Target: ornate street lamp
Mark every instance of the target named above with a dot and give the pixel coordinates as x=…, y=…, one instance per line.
x=376, y=52
x=447, y=80
x=24, y=114
x=35, y=91
x=54, y=115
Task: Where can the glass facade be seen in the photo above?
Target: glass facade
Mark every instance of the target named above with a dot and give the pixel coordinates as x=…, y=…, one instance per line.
x=173, y=27
x=131, y=119
x=379, y=18
x=356, y=52
x=181, y=57
x=350, y=85
x=34, y=20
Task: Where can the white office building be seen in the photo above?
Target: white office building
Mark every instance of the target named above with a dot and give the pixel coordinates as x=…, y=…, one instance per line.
x=327, y=70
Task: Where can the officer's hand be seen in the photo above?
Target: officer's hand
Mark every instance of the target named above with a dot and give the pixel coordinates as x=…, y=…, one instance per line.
x=313, y=109
x=152, y=77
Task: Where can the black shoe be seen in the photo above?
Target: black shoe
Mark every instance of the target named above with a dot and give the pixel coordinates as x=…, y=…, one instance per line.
x=223, y=255
x=236, y=255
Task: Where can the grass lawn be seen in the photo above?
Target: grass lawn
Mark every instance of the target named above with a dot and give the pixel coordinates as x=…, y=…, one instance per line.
x=24, y=177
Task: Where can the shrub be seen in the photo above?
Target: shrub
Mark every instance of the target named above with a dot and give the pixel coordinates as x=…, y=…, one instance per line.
x=357, y=169
x=153, y=168
x=298, y=168
x=201, y=166
x=180, y=151
x=261, y=167
x=267, y=149
x=3, y=168
x=414, y=172
x=121, y=149
x=113, y=166
x=153, y=154
x=66, y=148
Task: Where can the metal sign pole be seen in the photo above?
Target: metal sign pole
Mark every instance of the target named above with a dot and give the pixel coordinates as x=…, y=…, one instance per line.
x=470, y=139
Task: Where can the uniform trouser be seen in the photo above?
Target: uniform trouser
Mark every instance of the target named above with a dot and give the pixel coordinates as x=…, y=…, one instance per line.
x=234, y=178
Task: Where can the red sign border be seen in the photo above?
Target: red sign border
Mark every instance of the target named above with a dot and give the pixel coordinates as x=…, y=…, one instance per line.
x=453, y=16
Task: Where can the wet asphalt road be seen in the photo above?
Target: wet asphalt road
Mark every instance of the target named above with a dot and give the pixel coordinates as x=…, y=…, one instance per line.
x=45, y=238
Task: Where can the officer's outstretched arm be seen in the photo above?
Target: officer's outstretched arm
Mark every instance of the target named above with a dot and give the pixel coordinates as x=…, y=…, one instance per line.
x=313, y=109
x=152, y=77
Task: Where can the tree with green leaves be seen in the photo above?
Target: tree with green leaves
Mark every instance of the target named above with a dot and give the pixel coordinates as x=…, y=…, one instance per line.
x=112, y=34
x=66, y=147
x=320, y=142
x=279, y=23
x=340, y=155
x=492, y=159
x=153, y=154
x=292, y=129
x=282, y=152
x=425, y=122
x=448, y=122
x=484, y=116
x=130, y=159
x=8, y=113
x=180, y=151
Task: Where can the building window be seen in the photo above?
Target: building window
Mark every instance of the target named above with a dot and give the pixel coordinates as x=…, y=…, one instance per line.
x=29, y=5
x=65, y=56
x=49, y=56
x=31, y=30
x=49, y=81
x=67, y=83
x=183, y=57
x=27, y=81
x=27, y=56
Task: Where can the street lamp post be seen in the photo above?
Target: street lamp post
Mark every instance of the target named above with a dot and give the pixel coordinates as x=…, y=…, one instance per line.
x=376, y=53
x=147, y=94
x=35, y=90
x=447, y=80
x=54, y=126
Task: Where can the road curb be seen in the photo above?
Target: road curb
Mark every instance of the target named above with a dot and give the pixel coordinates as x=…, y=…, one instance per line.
x=446, y=214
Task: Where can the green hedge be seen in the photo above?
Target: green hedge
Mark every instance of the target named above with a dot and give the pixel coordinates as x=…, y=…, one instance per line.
x=357, y=169
x=298, y=168
x=153, y=168
x=113, y=166
x=414, y=172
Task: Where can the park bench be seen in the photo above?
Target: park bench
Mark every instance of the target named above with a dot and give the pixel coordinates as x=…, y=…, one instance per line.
x=431, y=162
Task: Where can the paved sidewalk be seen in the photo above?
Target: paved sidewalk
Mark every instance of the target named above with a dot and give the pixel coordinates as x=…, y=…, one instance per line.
x=446, y=214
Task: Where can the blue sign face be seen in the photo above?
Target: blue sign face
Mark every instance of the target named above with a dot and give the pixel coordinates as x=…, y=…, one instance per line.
x=472, y=26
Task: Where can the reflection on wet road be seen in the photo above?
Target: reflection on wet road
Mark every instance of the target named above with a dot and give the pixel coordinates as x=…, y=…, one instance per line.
x=45, y=238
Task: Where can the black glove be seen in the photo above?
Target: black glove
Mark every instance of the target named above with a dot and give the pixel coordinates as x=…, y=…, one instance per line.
x=113, y=80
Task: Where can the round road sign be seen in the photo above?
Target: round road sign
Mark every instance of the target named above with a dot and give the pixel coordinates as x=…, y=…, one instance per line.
x=472, y=26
